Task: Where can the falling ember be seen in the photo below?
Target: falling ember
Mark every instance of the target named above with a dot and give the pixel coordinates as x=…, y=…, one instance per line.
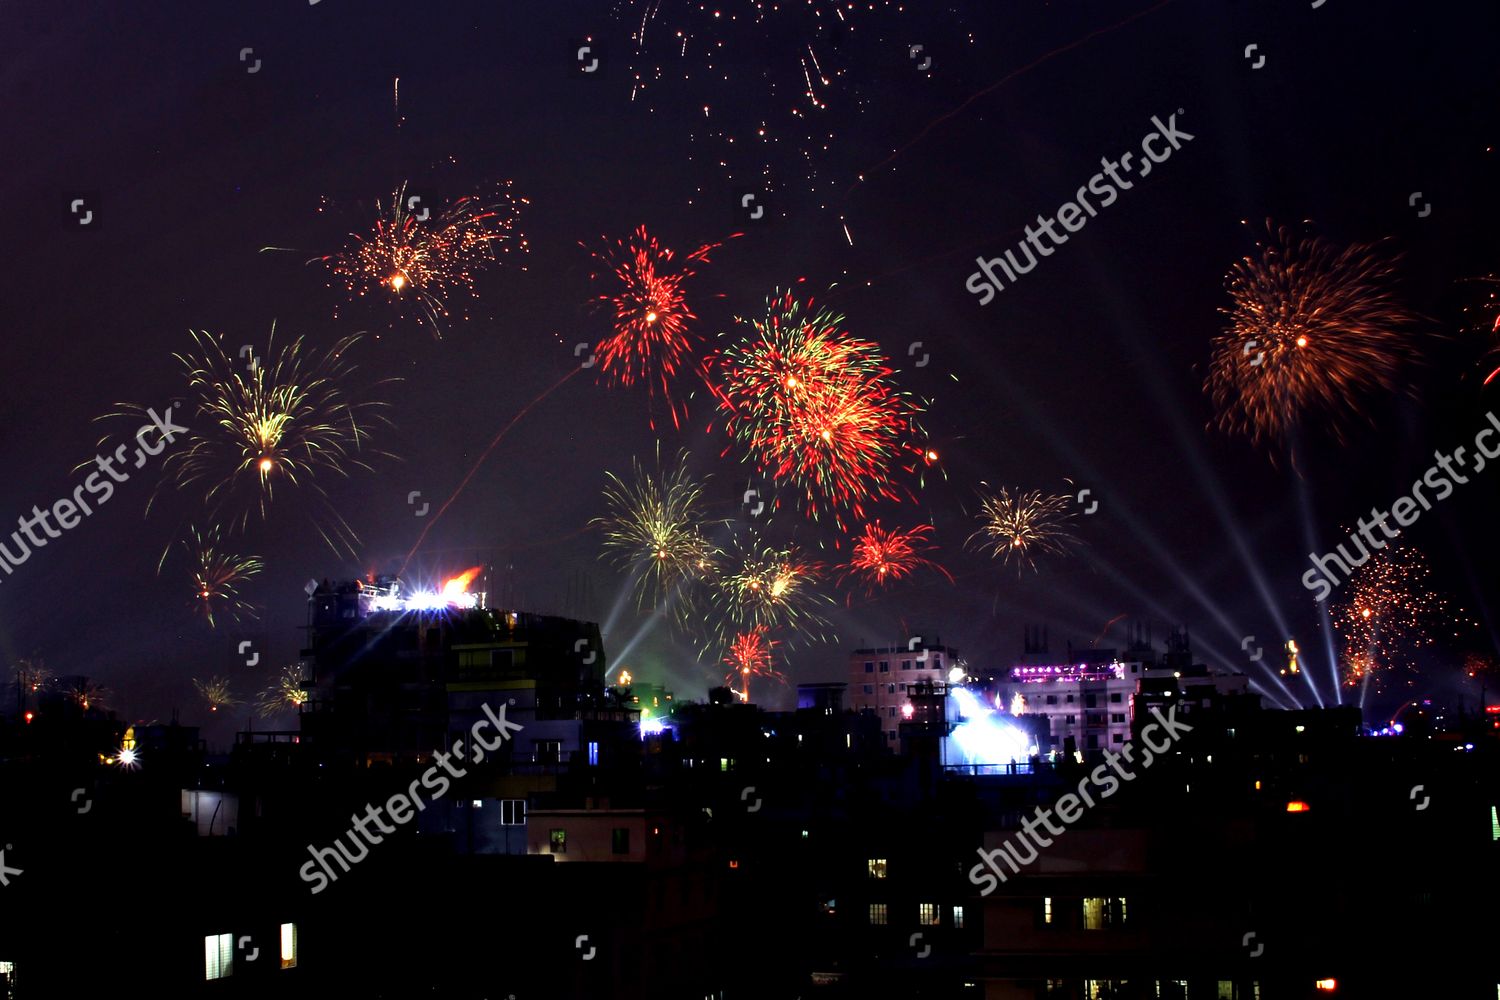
x=1389, y=616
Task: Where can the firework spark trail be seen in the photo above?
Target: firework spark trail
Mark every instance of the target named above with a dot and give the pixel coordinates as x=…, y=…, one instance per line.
x=288, y=415
x=218, y=575
x=1313, y=331
x=1023, y=525
x=480, y=461
x=216, y=692
x=815, y=406
x=761, y=585
x=284, y=692
x=651, y=337
x=881, y=556
x=655, y=525
x=409, y=252
x=750, y=655
x=980, y=94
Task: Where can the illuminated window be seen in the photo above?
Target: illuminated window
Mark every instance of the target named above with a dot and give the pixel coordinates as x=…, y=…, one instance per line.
x=288, y=946
x=958, y=918
x=1226, y=990
x=877, y=914
x=593, y=755
x=876, y=867
x=218, y=956
x=559, y=841
x=1093, y=913
x=1046, y=909
x=928, y=914
x=619, y=840
x=1495, y=835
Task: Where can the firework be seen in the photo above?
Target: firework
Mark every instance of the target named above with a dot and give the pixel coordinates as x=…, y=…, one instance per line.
x=411, y=255
x=759, y=585
x=882, y=556
x=284, y=693
x=84, y=693
x=216, y=692
x=815, y=406
x=1023, y=526
x=655, y=526
x=288, y=417
x=218, y=575
x=749, y=655
x=1388, y=615
x=1312, y=333
x=1482, y=318
x=651, y=339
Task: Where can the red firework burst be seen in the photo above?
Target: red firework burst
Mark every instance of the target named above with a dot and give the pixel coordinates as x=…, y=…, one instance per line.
x=882, y=556
x=817, y=407
x=651, y=337
x=750, y=656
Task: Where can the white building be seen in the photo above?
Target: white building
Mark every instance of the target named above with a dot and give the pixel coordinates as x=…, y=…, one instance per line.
x=880, y=677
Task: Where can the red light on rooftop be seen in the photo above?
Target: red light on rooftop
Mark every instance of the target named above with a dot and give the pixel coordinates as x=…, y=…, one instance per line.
x=30, y=716
x=734, y=864
x=1492, y=709
x=1298, y=806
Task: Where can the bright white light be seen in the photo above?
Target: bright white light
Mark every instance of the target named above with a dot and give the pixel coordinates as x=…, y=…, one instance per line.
x=955, y=675
x=984, y=737
x=652, y=727
x=130, y=759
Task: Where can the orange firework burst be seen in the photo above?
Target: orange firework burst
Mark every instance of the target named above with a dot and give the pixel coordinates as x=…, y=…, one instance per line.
x=757, y=585
x=218, y=576
x=881, y=556
x=815, y=406
x=750, y=656
x=415, y=253
x=1389, y=614
x=651, y=338
x=1313, y=332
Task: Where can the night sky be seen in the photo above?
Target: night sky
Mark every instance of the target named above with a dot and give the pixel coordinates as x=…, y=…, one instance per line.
x=1088, y=369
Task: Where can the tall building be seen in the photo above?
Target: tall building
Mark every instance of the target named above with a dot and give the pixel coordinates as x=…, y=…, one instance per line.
x=880, y=677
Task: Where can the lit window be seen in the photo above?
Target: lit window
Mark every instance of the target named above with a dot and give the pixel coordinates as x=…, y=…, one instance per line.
x=619, y=842
x=877, y=867
x=723, y=763
x=218, y=956
x=593, y=755
x=1046, y=909
x=288, y=946
x=958, y=918
x=559, y=841
x=1226, y=989
x=877, y=914
x=1093, y=914
x=927, y=914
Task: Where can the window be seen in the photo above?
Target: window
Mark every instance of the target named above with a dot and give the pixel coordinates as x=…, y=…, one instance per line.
x=1072, y=719
x=903, y=687
x=1093, y=742
x=1115, y=698
x=1046, y=909
x=288, y=946
x=1226, y=989
x=937, y=661
x=885, y=666
x=559, y=841
x=869, y=666
x=1090, y=700
x=877, y=915
x=890, y=689
x=905, y=664
x=512, y=812
x=876, y=867
x=890, y=736
x=1102, y=912
x=891, y=712
x=869, y=689
x=218, y=956
x=1052, y=699
x=958, y=918
x=619, y=840
x=593, y=754
x=928, y=914
x=1070, y=699
x=548, y=750
x=1117, y=717
x=1118, y=738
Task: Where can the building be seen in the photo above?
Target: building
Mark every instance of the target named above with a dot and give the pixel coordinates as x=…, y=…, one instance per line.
x=880, y=677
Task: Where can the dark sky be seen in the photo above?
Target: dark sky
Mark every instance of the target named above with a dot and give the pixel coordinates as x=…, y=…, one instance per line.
x=1088, y=369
